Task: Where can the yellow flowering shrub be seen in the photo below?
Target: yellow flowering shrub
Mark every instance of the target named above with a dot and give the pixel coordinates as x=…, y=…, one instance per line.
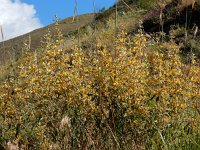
x=116, y=98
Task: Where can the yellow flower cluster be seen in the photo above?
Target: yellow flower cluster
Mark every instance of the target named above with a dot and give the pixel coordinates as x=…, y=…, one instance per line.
x=137, y=77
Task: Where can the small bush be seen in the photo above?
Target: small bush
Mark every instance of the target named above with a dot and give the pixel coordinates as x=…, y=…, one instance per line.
x=148, y=4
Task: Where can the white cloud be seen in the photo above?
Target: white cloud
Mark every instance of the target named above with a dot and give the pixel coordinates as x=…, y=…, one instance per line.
x=17, y=18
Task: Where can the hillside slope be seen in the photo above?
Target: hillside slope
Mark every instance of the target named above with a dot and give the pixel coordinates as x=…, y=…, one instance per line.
x=109, y=85
x=14, y=46
x=131, y=13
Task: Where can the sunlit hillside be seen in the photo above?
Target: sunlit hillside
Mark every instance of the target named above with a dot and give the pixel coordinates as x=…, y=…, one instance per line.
x=113, y=82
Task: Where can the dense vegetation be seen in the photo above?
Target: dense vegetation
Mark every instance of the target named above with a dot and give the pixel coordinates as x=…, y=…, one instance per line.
x=134, y=93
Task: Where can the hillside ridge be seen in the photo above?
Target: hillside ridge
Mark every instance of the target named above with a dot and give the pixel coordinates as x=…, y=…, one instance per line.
x=13, y=46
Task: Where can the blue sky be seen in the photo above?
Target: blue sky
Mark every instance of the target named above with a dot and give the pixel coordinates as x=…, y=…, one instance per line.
x=18, y=17
x=47, y=9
